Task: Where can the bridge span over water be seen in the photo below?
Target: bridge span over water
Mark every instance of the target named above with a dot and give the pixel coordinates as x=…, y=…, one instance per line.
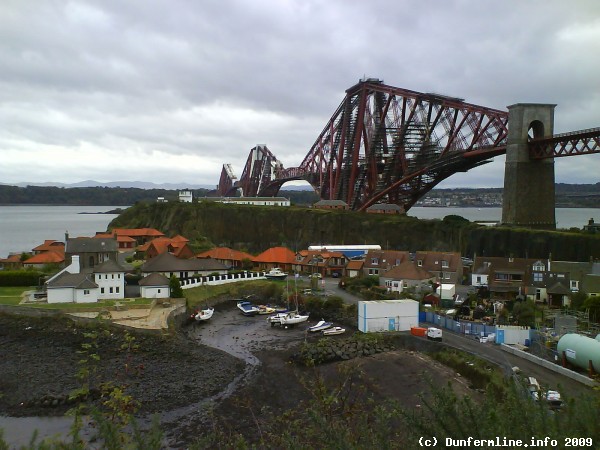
x=386, y=144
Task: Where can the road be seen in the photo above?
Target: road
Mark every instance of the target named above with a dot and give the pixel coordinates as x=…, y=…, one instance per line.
x=490, y=352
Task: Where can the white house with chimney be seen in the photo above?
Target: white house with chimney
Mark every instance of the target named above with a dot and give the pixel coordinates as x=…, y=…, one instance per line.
x=72, y=285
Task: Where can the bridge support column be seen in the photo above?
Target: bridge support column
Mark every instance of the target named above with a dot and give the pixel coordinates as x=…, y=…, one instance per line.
x=528, y=199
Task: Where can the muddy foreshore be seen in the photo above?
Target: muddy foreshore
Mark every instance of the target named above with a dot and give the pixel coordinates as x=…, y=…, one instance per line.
x=39, y=366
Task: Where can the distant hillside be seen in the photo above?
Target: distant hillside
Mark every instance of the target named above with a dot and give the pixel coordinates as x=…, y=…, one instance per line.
x=255, y=229
x=112, y=196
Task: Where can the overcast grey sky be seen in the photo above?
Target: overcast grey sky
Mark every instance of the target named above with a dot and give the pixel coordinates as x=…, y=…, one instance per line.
x=169, y=90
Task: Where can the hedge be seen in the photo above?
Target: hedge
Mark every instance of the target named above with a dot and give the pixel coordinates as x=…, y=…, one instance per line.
x=20, y=277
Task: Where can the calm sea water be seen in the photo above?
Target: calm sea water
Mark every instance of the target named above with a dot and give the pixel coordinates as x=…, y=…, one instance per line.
x=23, y=227
x=565, y=217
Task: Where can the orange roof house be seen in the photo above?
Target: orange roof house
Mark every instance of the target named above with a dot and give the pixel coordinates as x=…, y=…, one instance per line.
x=227, y=256
x=141, y=235
x=281, y=257
x=49, y=245
x=11, y=262
x=41, y=259
x=124, y=243
x=161, y=245
x=320, y=261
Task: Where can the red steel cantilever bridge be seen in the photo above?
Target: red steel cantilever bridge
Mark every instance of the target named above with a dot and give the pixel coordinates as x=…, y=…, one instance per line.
x=386, y=144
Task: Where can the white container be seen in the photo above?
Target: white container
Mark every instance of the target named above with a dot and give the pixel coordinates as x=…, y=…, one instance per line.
x=387, y=315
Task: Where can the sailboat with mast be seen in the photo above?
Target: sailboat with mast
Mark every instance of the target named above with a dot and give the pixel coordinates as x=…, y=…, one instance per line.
x=293, y=317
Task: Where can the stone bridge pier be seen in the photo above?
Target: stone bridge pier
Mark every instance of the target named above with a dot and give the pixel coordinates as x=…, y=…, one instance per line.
x=528, y=183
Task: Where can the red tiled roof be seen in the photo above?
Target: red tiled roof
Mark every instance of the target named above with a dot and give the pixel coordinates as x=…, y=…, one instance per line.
x=281, y=255
x=12, y=259
x=133, y=232
x=46, y=258
x=355, y=265
x=407, y=271
x=49, y=245
x=179, y=238
x=225, y=253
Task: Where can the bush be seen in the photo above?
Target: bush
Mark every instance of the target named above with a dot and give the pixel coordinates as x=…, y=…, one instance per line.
x=20, y=278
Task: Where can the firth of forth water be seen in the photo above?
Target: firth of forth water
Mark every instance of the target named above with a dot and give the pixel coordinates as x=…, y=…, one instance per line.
x=23, y=227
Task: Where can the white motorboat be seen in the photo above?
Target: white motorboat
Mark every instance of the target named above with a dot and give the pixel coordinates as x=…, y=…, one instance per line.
x=320, y=326
x=204, y=314
x=276, y=274
x=293, y=318
x=333, y=331
x=275, y=319
x=247, y=308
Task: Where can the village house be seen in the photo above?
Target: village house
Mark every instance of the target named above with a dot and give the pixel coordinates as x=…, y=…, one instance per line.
x=385, y=208
x=446, y=266
x=155, y=285
x=168, y=265
x=407, y=275
x=140, y=235
x=74, y=284
x=378, y=261
x=281, y=257
x=177, y=245
x=506, y=278
x=50, y=252
x=354, y=268
x=322, y=262
x=230, y=258
x=331, y=204
x=91, y=251
x=12, y=262
x=124, y=243
x=548, y=286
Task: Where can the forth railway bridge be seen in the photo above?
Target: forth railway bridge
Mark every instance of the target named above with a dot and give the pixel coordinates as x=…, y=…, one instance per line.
x=386, y=144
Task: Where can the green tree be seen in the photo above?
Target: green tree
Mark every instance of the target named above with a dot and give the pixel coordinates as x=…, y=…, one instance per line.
x=175, y=287
x=578, y=299
x=593, y=304
x=524, y=313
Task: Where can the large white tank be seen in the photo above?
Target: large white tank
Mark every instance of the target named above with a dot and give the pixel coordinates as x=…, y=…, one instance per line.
x=580, y=350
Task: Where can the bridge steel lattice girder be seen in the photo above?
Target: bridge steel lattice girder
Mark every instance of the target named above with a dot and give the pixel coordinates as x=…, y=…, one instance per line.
x=371, y=130
x=566, y=144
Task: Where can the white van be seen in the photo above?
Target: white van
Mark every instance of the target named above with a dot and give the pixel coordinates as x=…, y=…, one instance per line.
x=434, y=334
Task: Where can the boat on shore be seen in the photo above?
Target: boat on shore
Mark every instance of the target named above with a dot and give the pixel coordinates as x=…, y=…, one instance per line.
x=320, y=326
x=203, y=314
x=266, y=309
x=293, y=318
x=333, y=331
x=275, y=274
x=247, y=308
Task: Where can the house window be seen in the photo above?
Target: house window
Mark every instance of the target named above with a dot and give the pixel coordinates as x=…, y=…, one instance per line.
x=110, y=290
x=159, y=291
x=538, y=277
x=86, y=292
x=373, y=271
x=117, y=289
x=445, y=264
x=574, y=285
x=478, y=279
x=420, y=263
x=397, y=262
x=102, y=290
x=106, y=277
x=119, y=276
x=375, y=261
x=539, y=267
x=405, y=284
x=113, y=276
x=538, y=294
x=446, y=275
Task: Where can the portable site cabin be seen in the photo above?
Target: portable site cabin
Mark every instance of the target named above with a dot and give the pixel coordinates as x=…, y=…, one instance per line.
x=387, y=315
